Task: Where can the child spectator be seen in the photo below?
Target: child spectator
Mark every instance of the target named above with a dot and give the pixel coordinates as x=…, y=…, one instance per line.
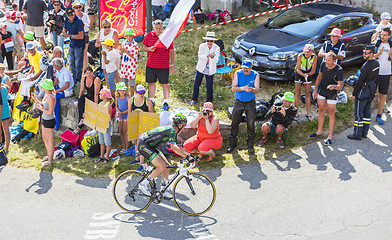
x=385, y=23
x=129, y=51
x=109, y=58
x=122, y=113
x=105, y=138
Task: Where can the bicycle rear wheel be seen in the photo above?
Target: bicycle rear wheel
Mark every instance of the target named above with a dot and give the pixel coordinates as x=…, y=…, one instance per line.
x=126, y=192
x=195, y=194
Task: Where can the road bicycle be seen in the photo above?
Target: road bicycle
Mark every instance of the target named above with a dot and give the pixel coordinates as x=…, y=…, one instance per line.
x=264, y=5
x=193, y=192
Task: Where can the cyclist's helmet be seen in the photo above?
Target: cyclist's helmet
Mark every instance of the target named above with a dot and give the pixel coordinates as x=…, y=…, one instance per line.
x=179, y=119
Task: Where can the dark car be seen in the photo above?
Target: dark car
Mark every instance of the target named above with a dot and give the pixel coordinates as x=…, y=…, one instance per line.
x=273, y=47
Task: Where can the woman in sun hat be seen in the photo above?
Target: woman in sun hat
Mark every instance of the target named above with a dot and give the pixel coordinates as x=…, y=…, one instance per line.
x=208, y=137
x=208, y=55
x=48, y=120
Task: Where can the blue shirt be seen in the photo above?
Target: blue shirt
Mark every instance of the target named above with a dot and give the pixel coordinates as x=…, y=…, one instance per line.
x=339, y=48
x=244, y=80
x=74, y=28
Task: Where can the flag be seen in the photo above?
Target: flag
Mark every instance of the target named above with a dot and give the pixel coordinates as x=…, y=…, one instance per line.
x=8, y=44
x=177, y=22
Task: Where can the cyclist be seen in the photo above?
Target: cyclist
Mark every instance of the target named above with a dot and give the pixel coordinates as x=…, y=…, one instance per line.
x=148, y=147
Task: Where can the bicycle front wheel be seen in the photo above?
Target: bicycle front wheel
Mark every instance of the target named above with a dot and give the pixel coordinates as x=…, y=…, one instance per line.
x=126, y=192
x=195, y=194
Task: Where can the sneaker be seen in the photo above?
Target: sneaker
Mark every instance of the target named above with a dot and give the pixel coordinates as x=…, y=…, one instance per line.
x=379, y=120
x=140, y=168
x=167, y=195
x=23, y=106
x=262, y=141
x=193, y=102
x=165, y=107
x=328, y=142
x=314, y=135
x=280, y=142
x=144, y=190
x=353, y=137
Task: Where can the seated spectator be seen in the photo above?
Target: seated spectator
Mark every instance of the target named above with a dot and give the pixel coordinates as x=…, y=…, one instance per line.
x=282, y=116
x=64, y=83
x=208, y=137
x=92, y=85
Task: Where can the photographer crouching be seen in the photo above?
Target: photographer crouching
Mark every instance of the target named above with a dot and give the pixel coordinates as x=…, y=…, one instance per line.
x=282, y=116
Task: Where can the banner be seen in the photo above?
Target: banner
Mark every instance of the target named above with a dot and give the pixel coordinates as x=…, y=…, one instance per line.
x=29, y=124
x=140, y=122
x=124, y=14
x=96, y=116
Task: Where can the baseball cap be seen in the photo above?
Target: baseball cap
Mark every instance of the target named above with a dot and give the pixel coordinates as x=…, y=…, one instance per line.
x=308, y=48
x=288, y=96
x=246, y=64
x=70, y=11
x=121, y=86
x=385, y=15
x=7, y=14
x=158, y=21
x=129, y=31
x=140, y=89
x=336, y=32
x=108, y=42
x=2, y=65
x=30, y=46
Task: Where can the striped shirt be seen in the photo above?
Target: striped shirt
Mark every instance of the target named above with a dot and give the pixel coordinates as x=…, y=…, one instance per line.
x=160, y=57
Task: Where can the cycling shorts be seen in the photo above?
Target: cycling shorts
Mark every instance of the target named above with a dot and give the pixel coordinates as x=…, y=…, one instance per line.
x=148, y=152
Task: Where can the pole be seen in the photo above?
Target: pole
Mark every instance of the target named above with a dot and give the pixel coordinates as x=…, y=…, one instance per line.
x=149, y=15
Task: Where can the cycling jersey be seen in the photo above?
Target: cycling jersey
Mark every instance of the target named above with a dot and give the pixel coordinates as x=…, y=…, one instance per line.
x=160, y=135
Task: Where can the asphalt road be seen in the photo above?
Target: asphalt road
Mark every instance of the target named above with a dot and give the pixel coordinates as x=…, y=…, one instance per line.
x=338, y=192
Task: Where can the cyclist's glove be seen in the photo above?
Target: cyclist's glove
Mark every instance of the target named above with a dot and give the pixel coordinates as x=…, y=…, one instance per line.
x=191, y=158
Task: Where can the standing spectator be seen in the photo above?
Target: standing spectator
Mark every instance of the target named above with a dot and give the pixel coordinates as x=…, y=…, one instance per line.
x=158, y=64
x=48, y=121
x=74, y=30
x=67, y=3
x=129, y=51
x=7, y=45
x=328, y=83
x=92, y=85
x=385, y=23
x=334, y=45
x=35, y=18
x=92, y=13
x=245, y=85
x=106, y=33
x=105, y=139
x=6, y=110
x=64, y=83
x=383, y=55
x=77, y=6
x=51, y=5
x=56, y=21
x=17, y=34
x=208, y=55
x=208, y=137
x=363, y=94
x=304, y=74
x=157, y=9
x=2, y=5
x=109, y=58
x=122, y=113
x=282, y=116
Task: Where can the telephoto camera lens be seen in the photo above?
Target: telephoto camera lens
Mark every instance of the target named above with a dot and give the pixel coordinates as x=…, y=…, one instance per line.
x=205, y=113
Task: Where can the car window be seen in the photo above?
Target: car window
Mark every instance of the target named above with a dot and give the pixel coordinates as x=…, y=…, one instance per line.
x=347, y=24
x=299, y=23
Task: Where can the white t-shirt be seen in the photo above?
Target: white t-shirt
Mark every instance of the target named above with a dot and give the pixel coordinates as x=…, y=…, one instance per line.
x=385, y=64
x=380, y=27
x=112, y=57
x=86, y=22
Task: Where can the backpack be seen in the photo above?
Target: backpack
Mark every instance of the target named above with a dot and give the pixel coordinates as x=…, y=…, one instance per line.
x=88, y=142
x=200, y=17
x=275, y=96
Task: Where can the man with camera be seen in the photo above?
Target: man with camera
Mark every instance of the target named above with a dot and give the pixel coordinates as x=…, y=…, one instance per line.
x=245, y=86
x=282, y=116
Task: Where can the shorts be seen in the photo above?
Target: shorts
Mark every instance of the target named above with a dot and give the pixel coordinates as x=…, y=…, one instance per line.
x=273, y=129
x=111, y=81
x=106, y=138
x=122, y=119
x=383, y=84
x=300, y=79
x=148, y=152
x=49, y=123
x=152, y=74
x=86, y=37
x=39, y=31
x=130, y=82
x=329, y=101
x=203, y=145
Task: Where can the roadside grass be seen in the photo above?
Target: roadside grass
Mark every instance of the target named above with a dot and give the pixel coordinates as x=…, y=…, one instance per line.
x=27, y=154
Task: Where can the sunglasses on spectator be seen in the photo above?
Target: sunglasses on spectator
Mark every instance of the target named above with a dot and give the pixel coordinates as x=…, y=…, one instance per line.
x=366, y=53
x=209, y=41
x=78, y=7
x=56, y=5
x=106, y=26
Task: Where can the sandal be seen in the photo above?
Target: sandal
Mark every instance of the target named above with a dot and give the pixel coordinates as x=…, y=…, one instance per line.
x=46, y=164
x=210, y=158
x=309, y=117
x=45, y=159
x=105, y=161
x=99, y=160
x=296, y=118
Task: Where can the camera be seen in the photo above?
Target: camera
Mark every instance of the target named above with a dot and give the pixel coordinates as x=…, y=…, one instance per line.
x=278, y=108
x=205, y=113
